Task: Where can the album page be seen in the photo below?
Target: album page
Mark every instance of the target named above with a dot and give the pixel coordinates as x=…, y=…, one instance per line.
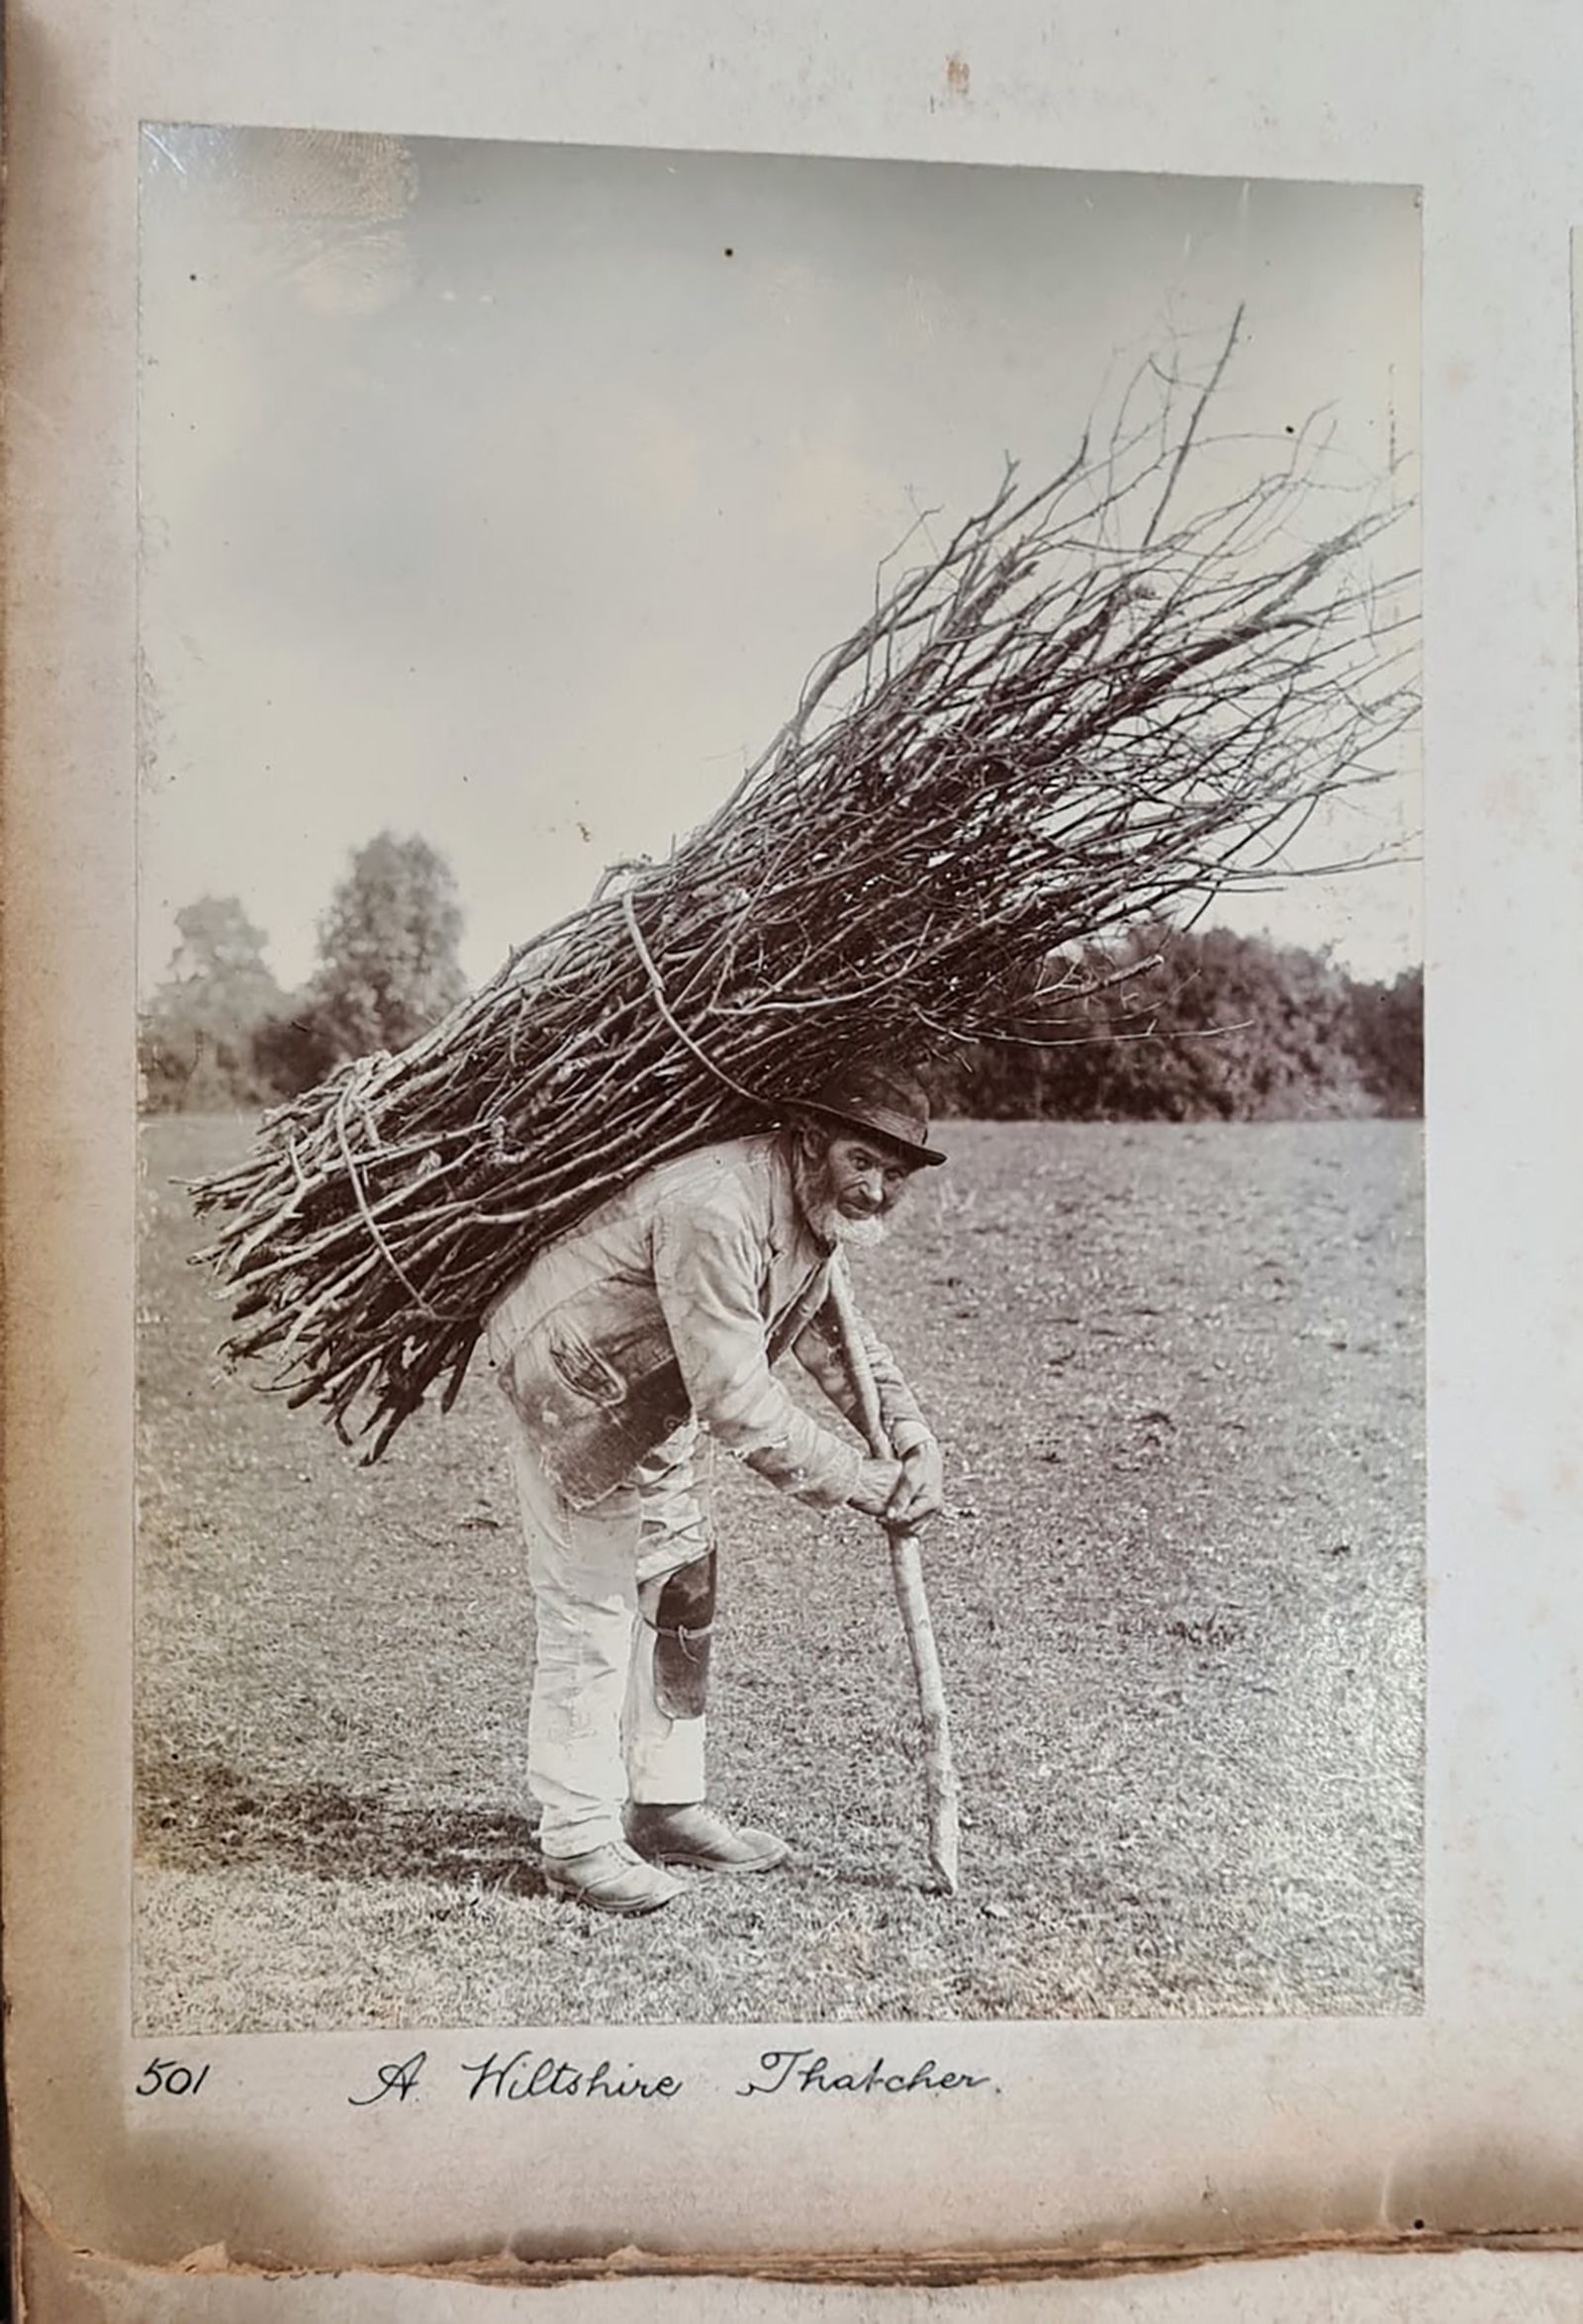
x=794, y=857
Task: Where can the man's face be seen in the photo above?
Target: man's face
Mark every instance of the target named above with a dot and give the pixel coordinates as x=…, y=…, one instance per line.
x=849, y=1185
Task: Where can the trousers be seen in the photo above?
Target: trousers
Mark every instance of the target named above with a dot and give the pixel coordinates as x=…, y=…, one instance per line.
x=596, y=1733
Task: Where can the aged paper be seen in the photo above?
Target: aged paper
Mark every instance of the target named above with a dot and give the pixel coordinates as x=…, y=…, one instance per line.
x=1127, y=2137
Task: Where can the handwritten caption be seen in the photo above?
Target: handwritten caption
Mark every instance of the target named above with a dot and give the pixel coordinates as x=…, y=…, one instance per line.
x=530, y=2073
x=512, y=2078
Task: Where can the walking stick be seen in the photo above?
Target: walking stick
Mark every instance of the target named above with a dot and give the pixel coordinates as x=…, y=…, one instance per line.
x=906, y=1572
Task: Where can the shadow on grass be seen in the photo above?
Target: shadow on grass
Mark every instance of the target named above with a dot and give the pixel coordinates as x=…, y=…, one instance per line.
x=199, y=1816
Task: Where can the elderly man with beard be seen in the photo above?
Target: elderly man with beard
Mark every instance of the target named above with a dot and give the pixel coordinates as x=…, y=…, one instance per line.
x=632, y=1350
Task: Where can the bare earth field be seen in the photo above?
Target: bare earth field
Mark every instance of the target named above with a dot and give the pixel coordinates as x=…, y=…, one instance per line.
x=1178, y=1372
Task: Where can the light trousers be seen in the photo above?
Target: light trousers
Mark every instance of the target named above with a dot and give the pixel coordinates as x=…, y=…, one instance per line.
x=596, y=1735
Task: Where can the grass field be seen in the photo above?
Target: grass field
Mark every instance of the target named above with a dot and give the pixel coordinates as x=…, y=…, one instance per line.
x=1178, y=1375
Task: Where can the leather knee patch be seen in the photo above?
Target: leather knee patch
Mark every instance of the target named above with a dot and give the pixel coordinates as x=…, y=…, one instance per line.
x=684, y=1625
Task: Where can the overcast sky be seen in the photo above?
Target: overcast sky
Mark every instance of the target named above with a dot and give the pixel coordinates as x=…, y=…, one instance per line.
x=507, y=493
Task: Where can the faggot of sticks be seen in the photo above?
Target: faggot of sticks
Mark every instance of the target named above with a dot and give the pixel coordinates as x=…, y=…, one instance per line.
x=1098, y=700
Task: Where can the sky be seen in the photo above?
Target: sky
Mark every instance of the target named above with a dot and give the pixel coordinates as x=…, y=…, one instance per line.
x=505, y=494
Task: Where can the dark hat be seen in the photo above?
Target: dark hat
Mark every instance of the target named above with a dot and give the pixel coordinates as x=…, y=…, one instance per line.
x=882, y=1099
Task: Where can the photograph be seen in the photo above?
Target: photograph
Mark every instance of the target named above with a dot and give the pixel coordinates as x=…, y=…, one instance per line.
x=780, y=1366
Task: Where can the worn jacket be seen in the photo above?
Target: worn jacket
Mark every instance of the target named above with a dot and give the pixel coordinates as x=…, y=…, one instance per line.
x=671, y=1301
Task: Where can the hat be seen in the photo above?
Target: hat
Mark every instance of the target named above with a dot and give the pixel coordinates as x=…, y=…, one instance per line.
x=882, y=1099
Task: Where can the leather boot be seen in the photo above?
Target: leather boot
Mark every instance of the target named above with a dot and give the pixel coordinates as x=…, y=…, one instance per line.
x=611, y=1879
x=698, y=1838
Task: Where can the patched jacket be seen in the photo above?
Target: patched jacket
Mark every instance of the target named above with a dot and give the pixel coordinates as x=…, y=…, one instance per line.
x=671, y=1301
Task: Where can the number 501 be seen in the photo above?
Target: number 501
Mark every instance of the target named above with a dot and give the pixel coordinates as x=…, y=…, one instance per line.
x=170, y=2078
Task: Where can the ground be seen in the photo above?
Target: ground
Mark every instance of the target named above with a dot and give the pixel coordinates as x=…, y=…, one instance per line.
x=1179, y=1592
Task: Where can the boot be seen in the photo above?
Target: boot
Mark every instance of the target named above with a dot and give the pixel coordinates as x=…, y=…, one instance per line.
x=697, y=1837
x=611, y=1879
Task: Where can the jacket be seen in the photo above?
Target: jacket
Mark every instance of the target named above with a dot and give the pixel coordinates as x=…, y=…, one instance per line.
x=670, y=1302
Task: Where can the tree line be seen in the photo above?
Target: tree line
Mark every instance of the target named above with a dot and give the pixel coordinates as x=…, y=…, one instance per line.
x=1163, y=1024
x=1202, y=1025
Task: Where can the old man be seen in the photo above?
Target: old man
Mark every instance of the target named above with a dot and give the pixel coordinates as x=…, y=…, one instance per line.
x=630, y=1351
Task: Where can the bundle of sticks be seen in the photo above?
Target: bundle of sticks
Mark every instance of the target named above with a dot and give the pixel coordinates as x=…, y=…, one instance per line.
x=1101, y=700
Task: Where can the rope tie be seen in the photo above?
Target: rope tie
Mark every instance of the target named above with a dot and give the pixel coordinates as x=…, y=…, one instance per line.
x=657, y=987
x=350, y=1088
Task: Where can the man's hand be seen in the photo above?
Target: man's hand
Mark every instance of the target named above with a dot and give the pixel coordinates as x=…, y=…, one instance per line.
x=921, y=1492
x=904, y=1492
x=879, y=1483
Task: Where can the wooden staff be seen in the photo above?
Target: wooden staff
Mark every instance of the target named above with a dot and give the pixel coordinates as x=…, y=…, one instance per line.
x=906, y=1572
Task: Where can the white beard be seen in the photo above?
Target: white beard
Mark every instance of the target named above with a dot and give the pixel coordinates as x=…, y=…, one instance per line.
x=854, y=1233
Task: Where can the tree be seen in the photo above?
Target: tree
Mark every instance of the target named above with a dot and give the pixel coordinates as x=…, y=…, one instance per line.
x=1390, y=1040
x=388, y=966
x=196, y=1037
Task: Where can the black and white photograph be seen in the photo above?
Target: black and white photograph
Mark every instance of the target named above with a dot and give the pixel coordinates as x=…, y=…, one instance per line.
x=781, y=1265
